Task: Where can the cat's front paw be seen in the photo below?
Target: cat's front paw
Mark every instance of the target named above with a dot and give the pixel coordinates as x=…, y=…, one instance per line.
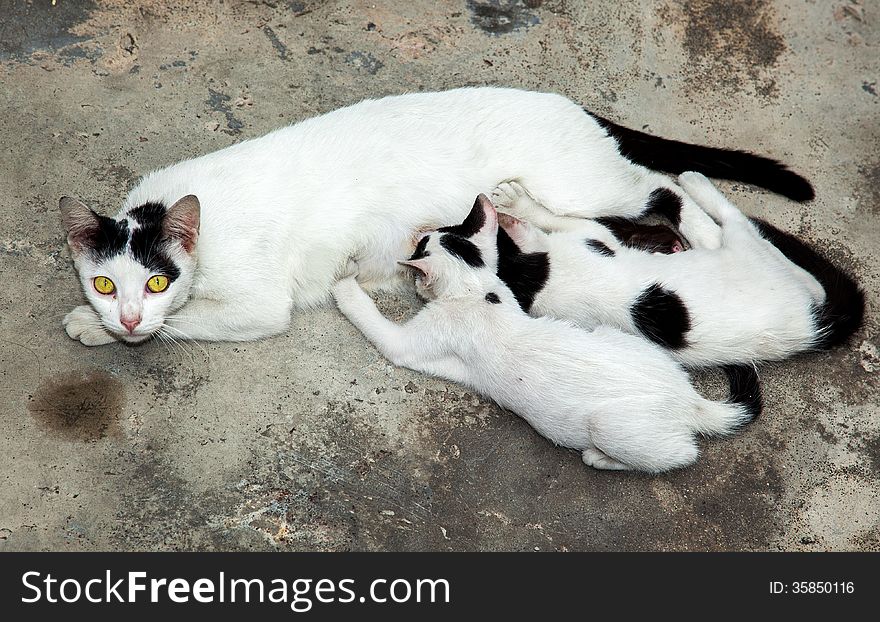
x=84, y=325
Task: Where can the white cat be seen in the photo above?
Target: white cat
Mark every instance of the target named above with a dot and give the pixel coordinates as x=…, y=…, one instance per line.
x=225, y=246
x=620, y=400
x=738, y=304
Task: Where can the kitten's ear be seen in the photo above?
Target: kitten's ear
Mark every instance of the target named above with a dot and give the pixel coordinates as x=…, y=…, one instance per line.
x=181, y=222
x=487, y=214
x=423, y=266
x=513, y=227
x=80, y=221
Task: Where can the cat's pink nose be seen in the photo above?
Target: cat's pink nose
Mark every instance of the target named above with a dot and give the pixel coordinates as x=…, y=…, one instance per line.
x=130, y=323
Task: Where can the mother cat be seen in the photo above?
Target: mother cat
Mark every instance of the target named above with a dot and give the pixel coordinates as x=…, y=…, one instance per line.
x=225, y=246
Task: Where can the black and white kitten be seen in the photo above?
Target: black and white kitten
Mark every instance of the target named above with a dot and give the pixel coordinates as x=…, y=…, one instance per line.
x=763, y=295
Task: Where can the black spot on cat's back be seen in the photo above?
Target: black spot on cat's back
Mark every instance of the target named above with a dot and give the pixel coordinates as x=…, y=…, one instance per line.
x=79, y=406
x=464, y=249
x=599, y=247
x=493, y=298
x=525, y=274
x=661, y=316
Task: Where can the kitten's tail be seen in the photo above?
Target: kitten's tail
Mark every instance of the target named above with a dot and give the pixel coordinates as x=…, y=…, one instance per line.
x=675, y=157
x=742, y=407
x=843, y=311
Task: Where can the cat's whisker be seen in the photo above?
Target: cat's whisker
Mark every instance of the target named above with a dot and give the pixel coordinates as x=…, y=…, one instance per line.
x=190, y=343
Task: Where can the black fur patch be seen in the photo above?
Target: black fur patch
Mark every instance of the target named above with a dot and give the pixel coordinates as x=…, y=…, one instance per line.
x=421, y=252
x=493, y=298
x=525, y=274
x=745, y=388
x=464, y=249
x=599, y=247
x=147, y=244
x=660, y=315
x=672, y=156
x=843, y=311
x=471, y=225
x=148, y=213
x=108, y=240
x=666, y=203
x=650, y=238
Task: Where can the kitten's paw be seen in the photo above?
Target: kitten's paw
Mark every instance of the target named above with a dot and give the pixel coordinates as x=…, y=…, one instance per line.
x=506, y=194
x=598, y=460
x=84, y=325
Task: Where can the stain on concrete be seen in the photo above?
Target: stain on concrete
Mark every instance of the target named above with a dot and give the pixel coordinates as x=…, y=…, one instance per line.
x=219, y=102
x=364, y=61
x=731, y=44
x=871, y=450
x=500, y=17
x=868, y=189
x=79, y=406
x=280, y=48
x=27, y=27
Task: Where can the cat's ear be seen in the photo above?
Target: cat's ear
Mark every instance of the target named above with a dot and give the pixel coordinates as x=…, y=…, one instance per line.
x=513, y=227
x=181, y=222
x=423, y=266
x=80, y=222
x=487, y=215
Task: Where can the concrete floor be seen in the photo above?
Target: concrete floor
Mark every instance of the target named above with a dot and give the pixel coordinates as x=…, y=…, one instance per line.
x=313, y=441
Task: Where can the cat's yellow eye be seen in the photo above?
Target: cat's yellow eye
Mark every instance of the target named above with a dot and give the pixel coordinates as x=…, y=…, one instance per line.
x=157, y=283
x=103, y=285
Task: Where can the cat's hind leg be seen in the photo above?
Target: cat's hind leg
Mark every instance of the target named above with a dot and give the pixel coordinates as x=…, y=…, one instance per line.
x=598, y=460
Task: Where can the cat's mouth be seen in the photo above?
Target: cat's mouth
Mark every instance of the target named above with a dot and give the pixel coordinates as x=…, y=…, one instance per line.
x=134, y=339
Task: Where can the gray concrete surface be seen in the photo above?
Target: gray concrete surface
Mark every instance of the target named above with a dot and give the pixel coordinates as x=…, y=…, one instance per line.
x=311, y=440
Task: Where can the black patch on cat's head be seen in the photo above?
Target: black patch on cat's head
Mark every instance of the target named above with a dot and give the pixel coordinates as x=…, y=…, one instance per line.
x=666, y=203
x=650, y=238
x=493, y=298
x=599, y=247
x=525, y=274
x=108, y=239
x=148, y=213
x=148, y=244
x=421, y=251
x=661, y=316
x=843, y=311
x=656, y=239
x=471, y=225
x=464, y=249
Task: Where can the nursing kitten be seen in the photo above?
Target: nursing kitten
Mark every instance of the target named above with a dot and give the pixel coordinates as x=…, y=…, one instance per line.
x=620, y=400
x=762, y=295
x=225, y=246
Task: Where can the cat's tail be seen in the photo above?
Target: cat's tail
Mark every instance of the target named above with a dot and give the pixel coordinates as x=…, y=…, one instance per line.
x=741, y=407
x=675, y=157
x=843, y=311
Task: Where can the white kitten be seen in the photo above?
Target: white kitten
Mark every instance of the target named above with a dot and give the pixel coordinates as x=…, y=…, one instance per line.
x=277, y=217
x=743, y=302
x=620, y=400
